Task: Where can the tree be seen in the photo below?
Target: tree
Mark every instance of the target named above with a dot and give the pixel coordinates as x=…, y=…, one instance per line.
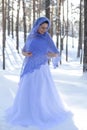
x=47, y=7
x=33, y=11
x=8, y=17
x=85, y=38
x=80, y=30
x=3, y=30
x=67, y=34
x=17, y=27
x=24, y=19
x=12, y=20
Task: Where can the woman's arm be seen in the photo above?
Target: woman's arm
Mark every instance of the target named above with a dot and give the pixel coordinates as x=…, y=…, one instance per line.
x=26, y=53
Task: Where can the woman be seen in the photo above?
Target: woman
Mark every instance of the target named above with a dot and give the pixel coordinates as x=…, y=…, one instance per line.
x=37, y=102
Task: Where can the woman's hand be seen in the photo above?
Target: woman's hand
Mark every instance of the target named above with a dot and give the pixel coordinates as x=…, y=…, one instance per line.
x=26, y=53
x=50, y=54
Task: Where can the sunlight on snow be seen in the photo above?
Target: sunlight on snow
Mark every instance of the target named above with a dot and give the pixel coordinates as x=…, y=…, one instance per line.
x=12, y=78
x=80, y=118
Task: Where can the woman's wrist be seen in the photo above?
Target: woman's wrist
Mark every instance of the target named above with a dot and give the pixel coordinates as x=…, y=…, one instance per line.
x=27, y=53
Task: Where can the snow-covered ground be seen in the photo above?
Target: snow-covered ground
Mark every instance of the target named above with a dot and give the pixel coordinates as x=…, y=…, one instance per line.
x=69, y=80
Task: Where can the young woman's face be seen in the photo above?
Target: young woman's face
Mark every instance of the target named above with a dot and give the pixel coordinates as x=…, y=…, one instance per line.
x=43, y=28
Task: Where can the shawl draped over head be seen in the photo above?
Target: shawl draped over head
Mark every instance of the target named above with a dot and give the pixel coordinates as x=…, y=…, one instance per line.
x=39, y=45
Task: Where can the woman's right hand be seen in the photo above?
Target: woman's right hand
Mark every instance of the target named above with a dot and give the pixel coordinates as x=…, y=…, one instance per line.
x=26, y=53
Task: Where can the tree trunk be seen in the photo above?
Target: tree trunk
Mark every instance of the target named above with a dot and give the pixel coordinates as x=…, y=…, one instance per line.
x=67, y=35
x=17, y=27
x=3, y=30
x=24, y=20
x=47, y=7
x=33, y=11
x=57, y=25
x=12, y=21
x=80, y=30
x=85, y=37
x=8, y=17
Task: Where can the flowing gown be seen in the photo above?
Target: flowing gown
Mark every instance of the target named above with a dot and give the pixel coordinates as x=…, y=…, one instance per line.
x=37, y=102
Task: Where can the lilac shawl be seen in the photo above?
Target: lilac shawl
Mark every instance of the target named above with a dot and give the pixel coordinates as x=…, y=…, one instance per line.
x=39, y=45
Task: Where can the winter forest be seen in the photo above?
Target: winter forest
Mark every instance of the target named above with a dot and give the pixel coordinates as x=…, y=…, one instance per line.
x=69, y=33
x=67, y=19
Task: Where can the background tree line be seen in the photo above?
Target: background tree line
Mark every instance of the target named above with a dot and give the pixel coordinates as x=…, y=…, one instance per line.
x=19, y=15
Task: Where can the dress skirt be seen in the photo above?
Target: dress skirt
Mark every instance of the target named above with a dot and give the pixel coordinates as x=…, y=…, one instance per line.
x=37, y=102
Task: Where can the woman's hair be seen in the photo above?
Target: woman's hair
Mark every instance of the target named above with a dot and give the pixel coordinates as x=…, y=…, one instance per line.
x=45, y=22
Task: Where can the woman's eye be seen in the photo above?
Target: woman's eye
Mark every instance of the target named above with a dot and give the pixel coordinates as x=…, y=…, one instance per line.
x=44, y=28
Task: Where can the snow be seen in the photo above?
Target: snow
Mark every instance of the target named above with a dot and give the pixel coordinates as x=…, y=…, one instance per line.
x=69, y=79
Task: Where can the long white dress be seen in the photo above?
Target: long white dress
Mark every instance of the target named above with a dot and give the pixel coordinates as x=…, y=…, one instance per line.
x=37, y=102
